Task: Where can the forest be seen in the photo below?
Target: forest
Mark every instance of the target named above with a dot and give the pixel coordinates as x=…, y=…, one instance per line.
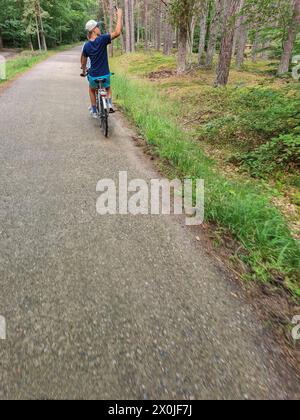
x=268, y=28
x=42, y=24
x=219, y=74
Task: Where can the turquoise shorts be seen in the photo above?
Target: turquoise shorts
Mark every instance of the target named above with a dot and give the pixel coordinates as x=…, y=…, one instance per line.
x=93, y=81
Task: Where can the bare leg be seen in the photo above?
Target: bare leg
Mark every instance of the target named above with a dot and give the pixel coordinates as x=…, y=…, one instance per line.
x=93, y=96
x=109, y=96
x=109, y=92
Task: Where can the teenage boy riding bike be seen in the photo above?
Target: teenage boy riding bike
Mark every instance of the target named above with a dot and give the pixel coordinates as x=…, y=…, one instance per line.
x=96, y=50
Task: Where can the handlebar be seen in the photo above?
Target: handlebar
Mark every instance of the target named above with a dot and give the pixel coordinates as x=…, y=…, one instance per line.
x=86, y=74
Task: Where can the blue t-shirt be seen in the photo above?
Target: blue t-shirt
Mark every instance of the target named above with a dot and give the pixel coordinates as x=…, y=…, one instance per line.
x=96, y=51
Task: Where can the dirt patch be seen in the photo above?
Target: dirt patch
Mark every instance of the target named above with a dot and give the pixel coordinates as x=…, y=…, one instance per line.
x=162, y=74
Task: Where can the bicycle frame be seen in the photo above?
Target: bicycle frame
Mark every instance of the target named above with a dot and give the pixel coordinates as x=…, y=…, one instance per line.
x=103, y=108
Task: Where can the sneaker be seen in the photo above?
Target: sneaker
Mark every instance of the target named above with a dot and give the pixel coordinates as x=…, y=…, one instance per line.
x=90, y=110
x=94, y=115
x=111, y=111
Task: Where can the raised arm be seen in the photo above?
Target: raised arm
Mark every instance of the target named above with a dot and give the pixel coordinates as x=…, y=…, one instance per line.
x=119, y=26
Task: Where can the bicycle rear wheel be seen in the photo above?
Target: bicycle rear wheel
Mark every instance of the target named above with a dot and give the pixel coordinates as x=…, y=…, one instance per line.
x=104, y=117
x=105, y=124
x=99, y=109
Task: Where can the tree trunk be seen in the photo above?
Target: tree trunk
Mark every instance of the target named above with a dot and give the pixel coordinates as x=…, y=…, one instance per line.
x=242, y=38
x=166, y=31
x=176, y=38
x=168, y=34
x=202, y=39
x=227, y=43
x=40, y=20
x=132, y=28
x=105, y=15
x=214, y=32
x=138, y=21
x=111, y=22
x=146, y=24
x=238, y=28
x=158, y=27
x=289, y=45
x=192, y=35
x=127, y=26
x=234, y=44
x=265, y=55
x=182, y=48
x=38, y=32
x=123, y=43
x=30, y=44
x=1, y=42
x=255, y=46
x=241, y=47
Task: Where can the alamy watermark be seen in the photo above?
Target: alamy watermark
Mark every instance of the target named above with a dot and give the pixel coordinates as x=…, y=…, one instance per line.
x=296, y=68
x=2, y=68
x=2, y=328
x=158, y=197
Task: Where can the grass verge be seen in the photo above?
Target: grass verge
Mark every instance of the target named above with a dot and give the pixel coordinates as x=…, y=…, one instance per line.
x=251, y=128
x=240, y=207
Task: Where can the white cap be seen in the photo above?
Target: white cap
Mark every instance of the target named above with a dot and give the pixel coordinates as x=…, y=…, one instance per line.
x=91, y=25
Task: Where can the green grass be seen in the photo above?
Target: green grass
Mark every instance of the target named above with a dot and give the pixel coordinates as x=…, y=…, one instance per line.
x=239, y=207
x=237, y=124
x=21, y=63
x=154, y=61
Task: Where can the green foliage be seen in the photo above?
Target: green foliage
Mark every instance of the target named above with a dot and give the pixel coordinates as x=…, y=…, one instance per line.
x=268, y=13
x=256, y=115
x=279, y=154
x=182, y=11
x=267, y=111
x=10, y=22
x=270, y=20
x=67, y=19
x=63, y=21
x=263, y=124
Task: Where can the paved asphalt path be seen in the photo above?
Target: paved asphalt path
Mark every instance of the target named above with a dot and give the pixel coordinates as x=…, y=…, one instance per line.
x=115, y=306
